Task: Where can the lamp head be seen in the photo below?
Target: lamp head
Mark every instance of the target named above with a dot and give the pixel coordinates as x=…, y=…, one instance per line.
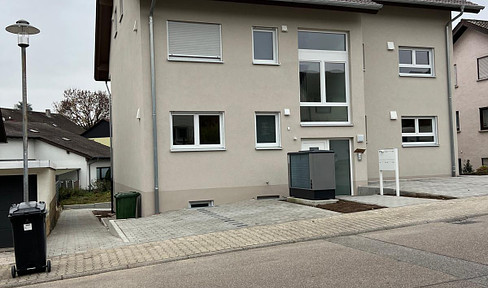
x=23, y=30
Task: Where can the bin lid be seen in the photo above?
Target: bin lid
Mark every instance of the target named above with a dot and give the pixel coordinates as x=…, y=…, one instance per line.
x=27, y=208
x=130, y=194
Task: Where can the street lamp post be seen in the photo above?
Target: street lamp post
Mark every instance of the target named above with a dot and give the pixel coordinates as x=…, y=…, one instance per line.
x=23, y=30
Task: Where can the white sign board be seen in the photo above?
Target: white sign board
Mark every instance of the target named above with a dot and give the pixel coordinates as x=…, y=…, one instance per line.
x=388, y=161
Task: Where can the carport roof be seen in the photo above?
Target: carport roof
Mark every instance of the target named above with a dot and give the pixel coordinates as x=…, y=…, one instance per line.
x=59, y=138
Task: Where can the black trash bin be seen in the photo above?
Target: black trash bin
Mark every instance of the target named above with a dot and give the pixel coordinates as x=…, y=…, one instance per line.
x=28, y=221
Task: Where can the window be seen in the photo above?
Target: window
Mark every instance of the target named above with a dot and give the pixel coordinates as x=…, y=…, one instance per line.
x=324, y=74
x=483, y=68
x=265, y=46
x=458, y=126
x=268, y=130
x=416, y=62
x=194, y=131
x=484, y=118
x=194, y=42
x=103, y=173
x=484, y=161
x=419, y=131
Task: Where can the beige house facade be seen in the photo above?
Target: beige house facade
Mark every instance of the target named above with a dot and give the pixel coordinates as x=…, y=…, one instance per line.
x=470, y=94
x=239, y=85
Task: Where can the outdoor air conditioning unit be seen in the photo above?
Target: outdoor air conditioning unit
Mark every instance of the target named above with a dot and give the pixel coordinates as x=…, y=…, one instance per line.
x=311, y=174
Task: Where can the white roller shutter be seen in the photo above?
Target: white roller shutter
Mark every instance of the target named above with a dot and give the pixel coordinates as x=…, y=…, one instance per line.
x=483, y=68
x=194, y=40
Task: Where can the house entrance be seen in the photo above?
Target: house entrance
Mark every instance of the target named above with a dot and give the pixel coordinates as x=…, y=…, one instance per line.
x=342, y=156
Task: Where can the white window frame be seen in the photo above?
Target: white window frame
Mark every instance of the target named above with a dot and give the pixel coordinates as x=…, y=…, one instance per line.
x=193, y=58
x=478, y=68
x=417, y=133
x=275, y=145
x=196, y=130
x=327, y=56
x=414, y=64
x=274, y=32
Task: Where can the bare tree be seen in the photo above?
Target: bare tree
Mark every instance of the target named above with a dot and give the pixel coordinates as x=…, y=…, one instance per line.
x=83, y=107
x=19, y=105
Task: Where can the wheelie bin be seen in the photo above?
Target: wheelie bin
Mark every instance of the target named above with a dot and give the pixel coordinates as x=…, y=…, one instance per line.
x=28, y=221
x=128, y=205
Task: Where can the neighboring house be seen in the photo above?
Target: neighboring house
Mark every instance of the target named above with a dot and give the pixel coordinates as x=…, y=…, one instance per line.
x=239, y=84
x=470, y=95
x=100, y=132
x=3, y=136
x=55, y=156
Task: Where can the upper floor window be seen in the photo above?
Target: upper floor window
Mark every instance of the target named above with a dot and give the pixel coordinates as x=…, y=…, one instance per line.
x=265, y=46
x=268, y=130
x=197, y=131
x=483, y=68
x=189, y=41
x=324, y=74
x=419, y=131
x=416, y=62
x=484, y=118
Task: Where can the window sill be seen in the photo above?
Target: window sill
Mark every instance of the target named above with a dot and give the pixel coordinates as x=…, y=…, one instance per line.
x=266, y=63
x=419, y=145
x=483, y=131
x=197, y=60
x=197, y=149
x=416, y=75
x=323, y=124
x=270, y=148
x=480, y=80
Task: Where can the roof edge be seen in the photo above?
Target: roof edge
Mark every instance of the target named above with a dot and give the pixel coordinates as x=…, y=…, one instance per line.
x=463, y=25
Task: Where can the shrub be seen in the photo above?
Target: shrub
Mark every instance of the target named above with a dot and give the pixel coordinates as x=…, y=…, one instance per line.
x=483, y=170
x=467, y=167
x=101, y=186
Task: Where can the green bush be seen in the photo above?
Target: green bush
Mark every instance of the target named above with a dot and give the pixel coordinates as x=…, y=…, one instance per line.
x=483, y=170
x=467, y=167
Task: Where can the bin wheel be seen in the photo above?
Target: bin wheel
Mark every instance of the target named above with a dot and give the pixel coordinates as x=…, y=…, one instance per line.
x=13, y=271
x=48, y=266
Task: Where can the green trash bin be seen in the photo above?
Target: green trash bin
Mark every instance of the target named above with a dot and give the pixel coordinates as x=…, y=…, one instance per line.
x=128, y=205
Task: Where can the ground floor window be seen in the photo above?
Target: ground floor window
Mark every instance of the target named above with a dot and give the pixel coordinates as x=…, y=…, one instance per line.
x=484, y=161
x=198, y=131
x=419, y=131
x=484, y=118
x=268, y=130
x=103, y=173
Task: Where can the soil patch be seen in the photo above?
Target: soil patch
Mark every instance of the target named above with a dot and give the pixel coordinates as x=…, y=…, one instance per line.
x=429, y=196
x=343, y=206
x=102, y=214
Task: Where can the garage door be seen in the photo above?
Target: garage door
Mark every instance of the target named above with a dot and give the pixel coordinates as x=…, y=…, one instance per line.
x=11, y=192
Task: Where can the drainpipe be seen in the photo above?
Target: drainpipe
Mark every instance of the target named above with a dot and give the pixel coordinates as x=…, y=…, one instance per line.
x=111, y=152
x=153, y=96
x=449, y=91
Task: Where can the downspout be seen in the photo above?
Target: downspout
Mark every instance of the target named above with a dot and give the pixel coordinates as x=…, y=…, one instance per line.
x=153, y=96
x=449, y=91
x=111, y=152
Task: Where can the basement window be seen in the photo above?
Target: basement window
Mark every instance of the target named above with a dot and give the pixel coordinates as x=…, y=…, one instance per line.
x=201, y=204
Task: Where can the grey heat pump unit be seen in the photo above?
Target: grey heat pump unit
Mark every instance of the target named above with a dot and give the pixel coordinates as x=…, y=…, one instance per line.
x=311, y=174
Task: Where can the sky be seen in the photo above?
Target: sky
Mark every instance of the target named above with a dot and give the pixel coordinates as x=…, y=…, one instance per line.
x=61, y=56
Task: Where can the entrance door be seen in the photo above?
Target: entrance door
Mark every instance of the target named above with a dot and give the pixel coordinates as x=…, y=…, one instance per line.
x=342, y=160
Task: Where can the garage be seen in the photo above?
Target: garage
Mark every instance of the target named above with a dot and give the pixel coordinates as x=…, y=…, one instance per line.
x=11, y=192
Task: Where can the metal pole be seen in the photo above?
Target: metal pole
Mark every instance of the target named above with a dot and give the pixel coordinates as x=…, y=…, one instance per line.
x=24, y=127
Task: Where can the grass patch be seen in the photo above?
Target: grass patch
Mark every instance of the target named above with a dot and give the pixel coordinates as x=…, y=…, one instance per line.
x=87, y=198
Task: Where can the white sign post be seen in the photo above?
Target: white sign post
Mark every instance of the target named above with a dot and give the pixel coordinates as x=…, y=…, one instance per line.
x=388, y=160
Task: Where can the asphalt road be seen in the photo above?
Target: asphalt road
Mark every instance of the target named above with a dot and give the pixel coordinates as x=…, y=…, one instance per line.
x=431, y=255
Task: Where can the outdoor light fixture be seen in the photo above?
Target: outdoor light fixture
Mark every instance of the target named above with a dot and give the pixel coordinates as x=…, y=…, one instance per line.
x=23, y=30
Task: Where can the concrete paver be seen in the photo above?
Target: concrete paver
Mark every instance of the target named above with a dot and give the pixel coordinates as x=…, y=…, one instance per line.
x=387, y=200
x=136, y=255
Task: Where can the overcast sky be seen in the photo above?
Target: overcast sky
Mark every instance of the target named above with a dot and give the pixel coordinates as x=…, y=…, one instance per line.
x=61, y=56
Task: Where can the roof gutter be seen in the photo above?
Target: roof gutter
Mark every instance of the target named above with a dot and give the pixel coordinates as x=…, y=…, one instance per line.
x=449, y=92
x=154, y=118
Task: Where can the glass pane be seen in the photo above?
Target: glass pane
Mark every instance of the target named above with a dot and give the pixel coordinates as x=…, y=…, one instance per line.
x=209, y=129
x=335, y=82
x=412, y=70
x=405, y=56
x=425, y=126
x=266, y=128
x=309, y=82
x=484, y=119
x=323, y=114
x=183, y=130
x=422, y=57
x=484, y=161
x=263, y=45
x=408, y=125
x=342, y=166
x=411, y=139
x=321, y=41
